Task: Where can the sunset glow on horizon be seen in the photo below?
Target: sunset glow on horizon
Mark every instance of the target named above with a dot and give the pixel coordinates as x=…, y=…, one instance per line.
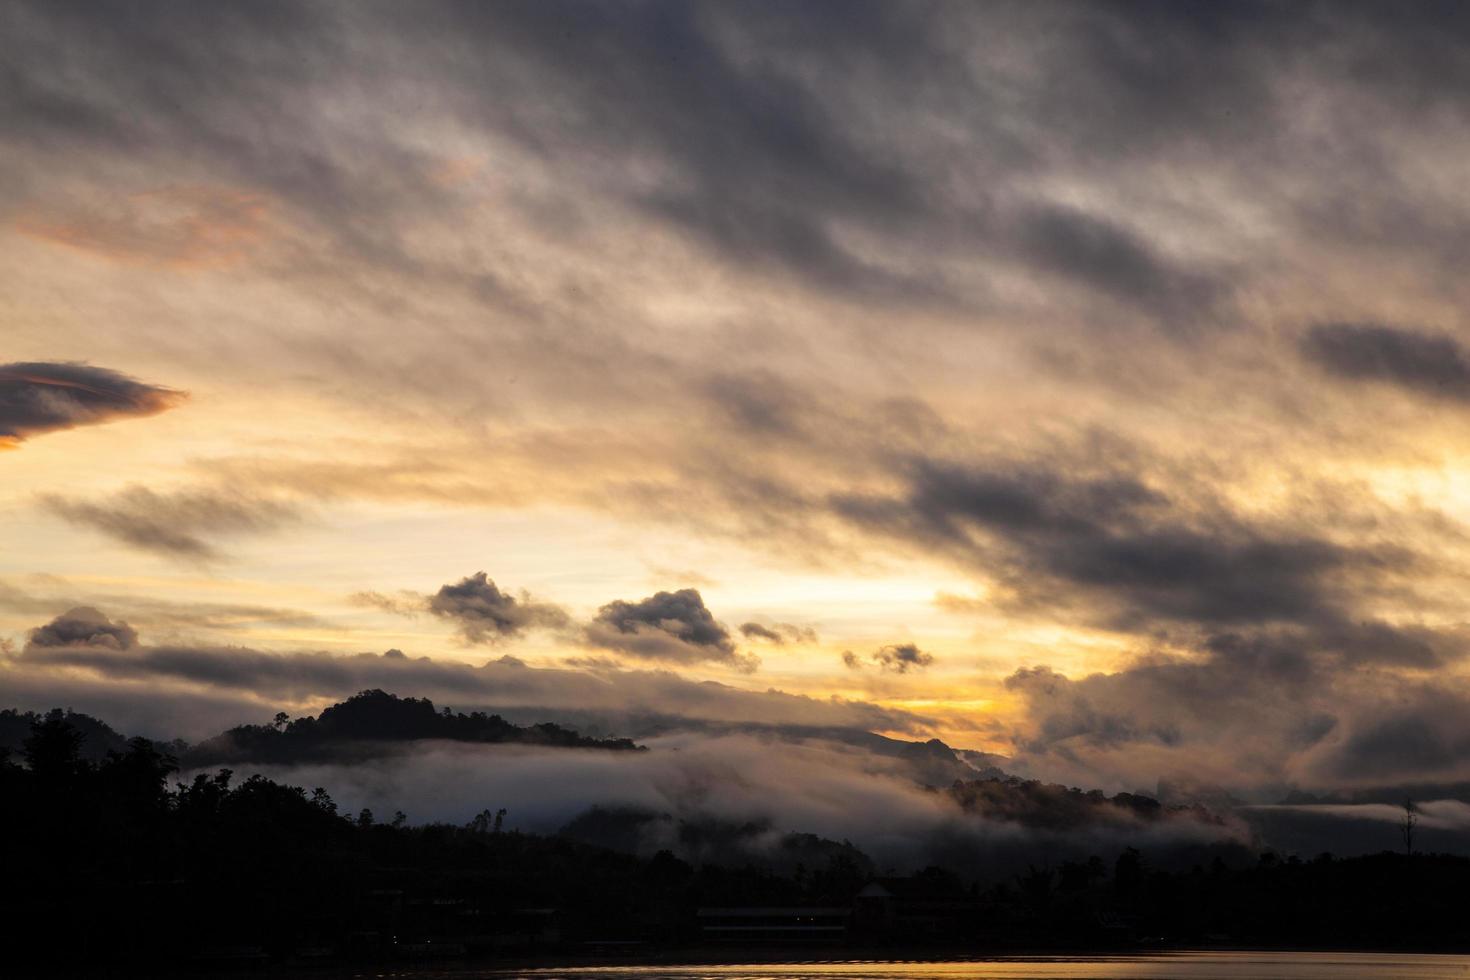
x=1074, y=385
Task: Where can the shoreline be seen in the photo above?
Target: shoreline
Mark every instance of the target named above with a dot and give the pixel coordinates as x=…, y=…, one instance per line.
x=692, y=959
x=705, y=958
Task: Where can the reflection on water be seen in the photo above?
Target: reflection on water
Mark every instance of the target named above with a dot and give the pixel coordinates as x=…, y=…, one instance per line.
x=1164, y=966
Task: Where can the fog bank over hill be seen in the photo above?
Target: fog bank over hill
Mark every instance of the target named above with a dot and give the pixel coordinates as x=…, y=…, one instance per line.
x=740, y=791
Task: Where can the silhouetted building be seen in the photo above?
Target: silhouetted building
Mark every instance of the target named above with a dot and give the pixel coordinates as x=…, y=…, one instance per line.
x=774, y=924
x=925, y=906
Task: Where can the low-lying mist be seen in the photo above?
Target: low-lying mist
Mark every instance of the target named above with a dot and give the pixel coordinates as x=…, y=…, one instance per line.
x=749, y=793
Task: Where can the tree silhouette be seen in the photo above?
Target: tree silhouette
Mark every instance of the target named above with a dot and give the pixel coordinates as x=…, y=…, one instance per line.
x=486, y=822
x=53, y=750
x=320, y=798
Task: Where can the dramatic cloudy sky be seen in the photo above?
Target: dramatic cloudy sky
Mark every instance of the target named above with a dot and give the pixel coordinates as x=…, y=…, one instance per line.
x=1086, y=383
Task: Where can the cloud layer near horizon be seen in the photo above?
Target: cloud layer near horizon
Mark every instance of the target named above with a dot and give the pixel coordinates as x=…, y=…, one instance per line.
x=92, y=663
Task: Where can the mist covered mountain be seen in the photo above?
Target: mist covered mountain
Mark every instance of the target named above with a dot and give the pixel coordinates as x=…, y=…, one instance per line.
x=774, y=795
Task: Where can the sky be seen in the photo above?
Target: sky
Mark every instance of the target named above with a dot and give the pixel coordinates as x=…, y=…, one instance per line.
x=1081, y=383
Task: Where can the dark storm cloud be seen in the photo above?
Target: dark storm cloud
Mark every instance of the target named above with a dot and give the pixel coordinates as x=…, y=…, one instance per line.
x=1418, y=734
x=786, y=138
x=1420, y=361
x=1354, y=644
x=1185, y=573
x=37, y=397
x=483, y=614
x=778, y=125
x=776, y=157
x=1097, y=253
x=86, y=628
x=653, y=79
x=742, y=143
x=671, y=626
x=1113, y=541
x=183, y=524
x=1340, y=705
x=1405, y=742
x=769, y=133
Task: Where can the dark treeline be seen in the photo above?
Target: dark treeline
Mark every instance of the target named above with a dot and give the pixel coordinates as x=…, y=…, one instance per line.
x=111, y=864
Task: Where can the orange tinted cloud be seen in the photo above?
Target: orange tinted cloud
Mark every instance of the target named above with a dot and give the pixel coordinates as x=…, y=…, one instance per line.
x=187, y=227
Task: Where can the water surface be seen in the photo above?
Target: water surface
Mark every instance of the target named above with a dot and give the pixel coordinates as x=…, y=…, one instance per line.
x=1162, y=966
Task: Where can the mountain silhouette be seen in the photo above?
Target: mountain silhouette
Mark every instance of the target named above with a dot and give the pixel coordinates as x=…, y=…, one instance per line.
x=373, y=723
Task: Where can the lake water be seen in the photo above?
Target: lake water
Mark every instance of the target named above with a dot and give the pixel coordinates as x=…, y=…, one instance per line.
x=1163, y=966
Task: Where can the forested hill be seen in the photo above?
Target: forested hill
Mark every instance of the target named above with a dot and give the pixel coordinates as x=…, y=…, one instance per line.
x=367, y=723
x=96, y=737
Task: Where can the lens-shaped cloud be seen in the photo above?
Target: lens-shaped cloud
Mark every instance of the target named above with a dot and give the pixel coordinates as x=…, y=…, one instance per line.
x=38, y=397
